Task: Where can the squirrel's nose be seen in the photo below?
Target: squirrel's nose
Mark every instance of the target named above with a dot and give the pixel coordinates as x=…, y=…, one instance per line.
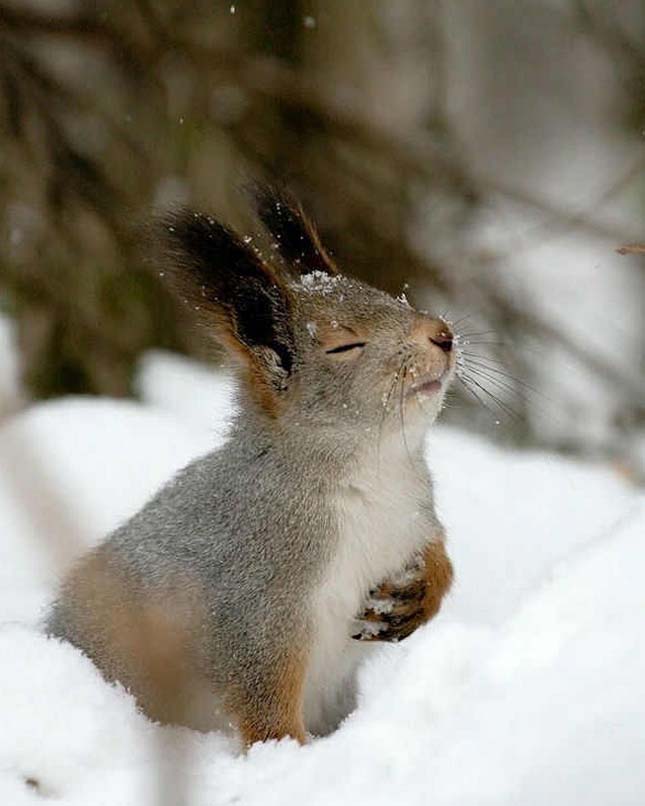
x=435, y=331
x=443, y=339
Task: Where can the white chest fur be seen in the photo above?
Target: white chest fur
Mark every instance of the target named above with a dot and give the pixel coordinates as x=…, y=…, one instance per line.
x=383, y=517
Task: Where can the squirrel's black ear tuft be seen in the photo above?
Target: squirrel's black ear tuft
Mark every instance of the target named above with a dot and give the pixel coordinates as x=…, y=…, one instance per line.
x=242, y=301
x=295, y=236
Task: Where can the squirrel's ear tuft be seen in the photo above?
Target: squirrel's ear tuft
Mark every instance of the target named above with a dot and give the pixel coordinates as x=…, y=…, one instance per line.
x=240, y=299
x=295, y=236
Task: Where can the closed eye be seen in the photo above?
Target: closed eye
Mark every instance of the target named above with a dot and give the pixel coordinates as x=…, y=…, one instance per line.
x=343, y=348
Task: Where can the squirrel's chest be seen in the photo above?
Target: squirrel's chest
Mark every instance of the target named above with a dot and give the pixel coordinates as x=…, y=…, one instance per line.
x=382, y=522
x=381, y=525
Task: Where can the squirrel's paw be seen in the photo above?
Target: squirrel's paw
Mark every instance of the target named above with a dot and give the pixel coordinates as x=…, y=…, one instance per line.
x=394, y=609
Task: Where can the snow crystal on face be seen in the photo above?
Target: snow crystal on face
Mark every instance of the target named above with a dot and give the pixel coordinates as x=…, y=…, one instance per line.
x=312, y=329
x=319, y=282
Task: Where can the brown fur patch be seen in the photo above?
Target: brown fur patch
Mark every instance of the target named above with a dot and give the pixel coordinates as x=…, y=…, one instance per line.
x=274, y=709
x=147, y=642
x=439, y=576
x=252, y=374
x=144, y=641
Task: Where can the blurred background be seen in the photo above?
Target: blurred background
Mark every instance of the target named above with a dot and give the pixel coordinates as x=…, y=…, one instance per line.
x=485, y=158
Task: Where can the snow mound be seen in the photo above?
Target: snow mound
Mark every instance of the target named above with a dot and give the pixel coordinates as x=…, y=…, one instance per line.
x=528, y=688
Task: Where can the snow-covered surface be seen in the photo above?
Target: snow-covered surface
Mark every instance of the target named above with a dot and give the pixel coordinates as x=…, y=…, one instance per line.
x=527, y=689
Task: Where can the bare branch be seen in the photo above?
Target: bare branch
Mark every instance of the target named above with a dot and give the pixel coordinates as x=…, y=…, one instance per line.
x=631, y=249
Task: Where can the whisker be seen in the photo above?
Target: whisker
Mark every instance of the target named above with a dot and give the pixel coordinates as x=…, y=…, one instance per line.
x=477, y=397
x=386, y=403
x=484, y=356
x=395, y=379
x=524, y=397
x=500, y=384
x=461, y=319
x=404, y=372
x=498, y=369
x=476, y=333
x=467, y=342
x=406, y=368
x=479, y=360
x=501, y=405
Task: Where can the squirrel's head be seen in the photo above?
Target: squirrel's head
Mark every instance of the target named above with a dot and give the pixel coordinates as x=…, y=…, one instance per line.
x=315, y=348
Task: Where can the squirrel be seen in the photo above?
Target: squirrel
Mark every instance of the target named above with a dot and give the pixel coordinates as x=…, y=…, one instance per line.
x=246, y=592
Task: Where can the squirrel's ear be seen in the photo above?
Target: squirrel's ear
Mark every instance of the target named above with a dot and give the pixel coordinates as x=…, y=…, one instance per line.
x=295, y=236
x=240, y=299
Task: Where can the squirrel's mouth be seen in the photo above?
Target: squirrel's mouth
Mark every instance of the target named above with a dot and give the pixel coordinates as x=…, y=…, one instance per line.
x=428, y=384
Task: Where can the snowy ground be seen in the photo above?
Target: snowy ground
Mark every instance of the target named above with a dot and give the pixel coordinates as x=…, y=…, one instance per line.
x=529, y=688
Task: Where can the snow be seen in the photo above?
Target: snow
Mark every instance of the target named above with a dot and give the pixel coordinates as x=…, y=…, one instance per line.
x=319, y=282
x=528, y=688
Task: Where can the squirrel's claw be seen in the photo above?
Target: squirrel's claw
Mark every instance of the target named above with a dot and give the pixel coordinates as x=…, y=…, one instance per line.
x=394, y=611
x=371, y=631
